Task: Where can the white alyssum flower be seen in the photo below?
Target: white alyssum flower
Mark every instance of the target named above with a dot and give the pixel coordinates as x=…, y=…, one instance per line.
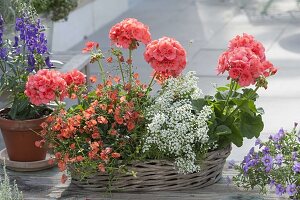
x=174, y=126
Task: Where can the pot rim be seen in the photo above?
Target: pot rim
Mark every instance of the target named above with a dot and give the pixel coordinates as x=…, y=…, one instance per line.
x=22, y=121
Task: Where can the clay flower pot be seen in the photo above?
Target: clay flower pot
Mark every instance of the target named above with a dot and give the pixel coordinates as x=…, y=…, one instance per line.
x=20, y=136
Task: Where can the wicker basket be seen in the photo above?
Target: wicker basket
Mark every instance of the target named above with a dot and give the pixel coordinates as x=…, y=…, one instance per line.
x=158, y=175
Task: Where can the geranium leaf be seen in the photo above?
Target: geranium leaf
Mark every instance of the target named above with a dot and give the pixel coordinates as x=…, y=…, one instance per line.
x=223, y=130
x=251, y=125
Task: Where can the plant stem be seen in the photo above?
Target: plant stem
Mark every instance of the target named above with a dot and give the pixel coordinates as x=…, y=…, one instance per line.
x=250, y=96
x=101, y=71
x=228, y=96
x=130, y=65
x=150, y=84
x=120, y=66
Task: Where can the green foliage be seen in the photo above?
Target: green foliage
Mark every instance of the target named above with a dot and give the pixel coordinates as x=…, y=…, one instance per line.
x=8, y=191
x=235, y=114
x=56, y=9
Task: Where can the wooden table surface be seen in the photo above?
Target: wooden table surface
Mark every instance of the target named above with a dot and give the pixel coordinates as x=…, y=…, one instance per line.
x=46, y=184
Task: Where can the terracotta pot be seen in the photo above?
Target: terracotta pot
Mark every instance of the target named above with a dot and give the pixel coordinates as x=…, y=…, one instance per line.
x=19, y=138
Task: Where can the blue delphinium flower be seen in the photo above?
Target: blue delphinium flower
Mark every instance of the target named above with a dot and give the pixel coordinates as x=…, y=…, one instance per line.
x=279, y=190
x=1, y=29
x=3, y=53
x=16, y=44
x=279, y=159
x=31, y=60
x=48, y=62
x=296, y=167
x=291, y=189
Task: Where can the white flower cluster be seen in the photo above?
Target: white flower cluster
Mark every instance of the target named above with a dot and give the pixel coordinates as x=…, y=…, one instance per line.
x=174, y=126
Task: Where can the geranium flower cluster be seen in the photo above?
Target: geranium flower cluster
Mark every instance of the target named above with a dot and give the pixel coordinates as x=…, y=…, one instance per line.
x=175, y=127
x=276, y=164
x=129, y=31
x=245, y=61
x=104, y=128
x=50, y=85
x=166, y=56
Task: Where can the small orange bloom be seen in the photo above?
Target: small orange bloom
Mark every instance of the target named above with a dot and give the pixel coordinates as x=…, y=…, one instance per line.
x=95, y=135
x=136, y=75
x=113, y=132
x=109, y=59
x=101, y=167
x=61, y=165
x=130, y=126
x=115, y=155
x=93, y=79
x=129, y=61
x=73, y=96
x=102, y=120
x=64, y=178
x=79, y=158
x=58, y=155
x=72, y=146
x=123, y=99
x=121, y=58
x=117, y=79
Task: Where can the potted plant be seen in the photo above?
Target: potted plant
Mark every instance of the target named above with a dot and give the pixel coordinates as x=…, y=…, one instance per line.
x=272, y=165
x=27, y=54
x=118, y=137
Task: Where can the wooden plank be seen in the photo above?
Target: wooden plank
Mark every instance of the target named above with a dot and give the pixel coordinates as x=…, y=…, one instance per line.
x=46, y=185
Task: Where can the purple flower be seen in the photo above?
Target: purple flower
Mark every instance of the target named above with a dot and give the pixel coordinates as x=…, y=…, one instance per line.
x=16, y=41
x=266, y=150
x=279, y=159
x=291, y=189
x=1, y=28
x=257, y=142
x=251, y=151
x=48, y=62
x=3, y=53
x=296, y=167
x=1, y=20
x=272, y=183
x=267, y=160
x=31, y=60
x=294, y=155
x=279, y=190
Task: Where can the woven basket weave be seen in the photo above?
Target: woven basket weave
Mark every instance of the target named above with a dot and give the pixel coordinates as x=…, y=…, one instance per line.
x=158, y=175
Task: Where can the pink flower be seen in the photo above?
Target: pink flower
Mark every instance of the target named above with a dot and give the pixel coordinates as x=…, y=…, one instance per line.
x=74, y=77
x=245, y=61
x=125, y=33
x=248, y=41
x=166, y=56
x=89, y=46
x=44, y=86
